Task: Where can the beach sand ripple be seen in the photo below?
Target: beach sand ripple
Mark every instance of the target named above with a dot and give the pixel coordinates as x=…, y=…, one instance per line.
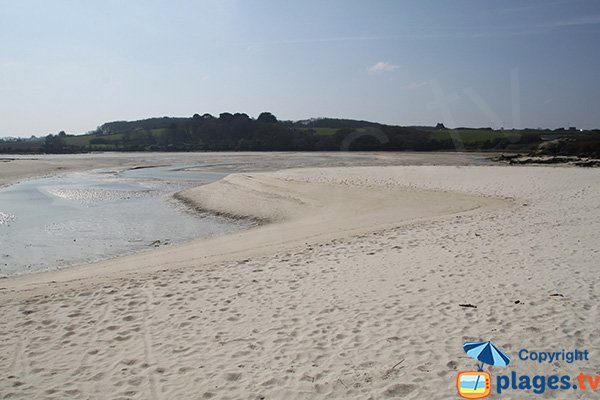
x=335, y=313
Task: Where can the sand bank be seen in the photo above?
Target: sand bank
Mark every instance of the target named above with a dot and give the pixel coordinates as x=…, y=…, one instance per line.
x=352, y=290
x=292, y=213
x=18, y=167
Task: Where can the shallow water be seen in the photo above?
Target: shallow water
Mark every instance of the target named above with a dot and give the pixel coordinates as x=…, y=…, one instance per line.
x=81, y=217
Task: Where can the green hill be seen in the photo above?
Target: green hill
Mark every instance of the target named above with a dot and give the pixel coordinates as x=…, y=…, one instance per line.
x=239, y=132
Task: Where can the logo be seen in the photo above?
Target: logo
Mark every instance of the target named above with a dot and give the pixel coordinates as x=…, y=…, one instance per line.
x=473, y=384
x=478, y=384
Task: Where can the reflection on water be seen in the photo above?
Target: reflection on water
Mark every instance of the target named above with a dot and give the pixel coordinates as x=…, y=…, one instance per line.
x=86, y=216
x=6, y=218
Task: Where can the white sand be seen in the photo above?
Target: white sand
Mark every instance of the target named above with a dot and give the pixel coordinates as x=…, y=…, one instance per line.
x=361, y=269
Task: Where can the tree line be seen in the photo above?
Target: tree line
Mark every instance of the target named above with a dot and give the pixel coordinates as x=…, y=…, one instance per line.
x=240, y=132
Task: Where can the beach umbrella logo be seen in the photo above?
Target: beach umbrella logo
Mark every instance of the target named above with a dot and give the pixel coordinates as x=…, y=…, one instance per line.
x=486, y=353
x=478, y=384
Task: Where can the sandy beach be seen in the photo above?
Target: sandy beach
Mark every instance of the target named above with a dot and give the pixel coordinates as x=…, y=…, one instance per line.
x=362, y=282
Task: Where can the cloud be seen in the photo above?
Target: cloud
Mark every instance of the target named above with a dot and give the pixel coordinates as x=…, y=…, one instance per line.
x=382, y=67
x=585, y=20
x=416, y=85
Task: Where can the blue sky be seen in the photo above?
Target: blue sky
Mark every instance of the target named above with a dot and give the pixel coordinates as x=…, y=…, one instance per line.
x=72, y=65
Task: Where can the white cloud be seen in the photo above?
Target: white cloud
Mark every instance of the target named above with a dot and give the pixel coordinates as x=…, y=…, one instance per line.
x=382, y=67
x=585, y=20
x=416, y=85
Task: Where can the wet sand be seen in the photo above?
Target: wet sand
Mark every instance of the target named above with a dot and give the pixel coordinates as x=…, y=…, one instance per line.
x=14, y=168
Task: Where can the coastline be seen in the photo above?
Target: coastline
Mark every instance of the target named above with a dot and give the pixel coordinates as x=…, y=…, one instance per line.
x=353, y=289
x=21, y=167
x=292, y=213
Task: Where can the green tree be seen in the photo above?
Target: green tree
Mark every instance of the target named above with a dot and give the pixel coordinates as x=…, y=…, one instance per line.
x=267, y=117
x=54, y=144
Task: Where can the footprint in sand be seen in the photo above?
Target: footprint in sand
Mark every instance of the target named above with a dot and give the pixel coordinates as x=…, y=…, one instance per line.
x=399, y=390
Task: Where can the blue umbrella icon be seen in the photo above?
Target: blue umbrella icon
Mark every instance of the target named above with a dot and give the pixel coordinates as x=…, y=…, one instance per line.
x=487, y=353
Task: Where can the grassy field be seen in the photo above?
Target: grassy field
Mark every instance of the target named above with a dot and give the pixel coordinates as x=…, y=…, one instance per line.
x=117, y=138
x=85, y=139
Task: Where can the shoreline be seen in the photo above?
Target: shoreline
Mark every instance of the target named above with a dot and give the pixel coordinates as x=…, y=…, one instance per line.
x=196, y=208
x=39, y=166
x=18, y=167
x=353, y=291
x=290, y=218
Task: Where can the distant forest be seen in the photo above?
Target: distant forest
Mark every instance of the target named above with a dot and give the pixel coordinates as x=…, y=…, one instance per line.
x=239, y=132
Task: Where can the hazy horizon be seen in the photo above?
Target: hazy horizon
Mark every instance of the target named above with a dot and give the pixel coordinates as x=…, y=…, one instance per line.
x=74, y=65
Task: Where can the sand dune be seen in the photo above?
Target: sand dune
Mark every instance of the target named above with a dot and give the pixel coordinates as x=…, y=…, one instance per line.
x=351, y=291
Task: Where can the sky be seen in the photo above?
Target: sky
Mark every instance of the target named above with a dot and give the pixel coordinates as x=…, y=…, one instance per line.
x=73, y=65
